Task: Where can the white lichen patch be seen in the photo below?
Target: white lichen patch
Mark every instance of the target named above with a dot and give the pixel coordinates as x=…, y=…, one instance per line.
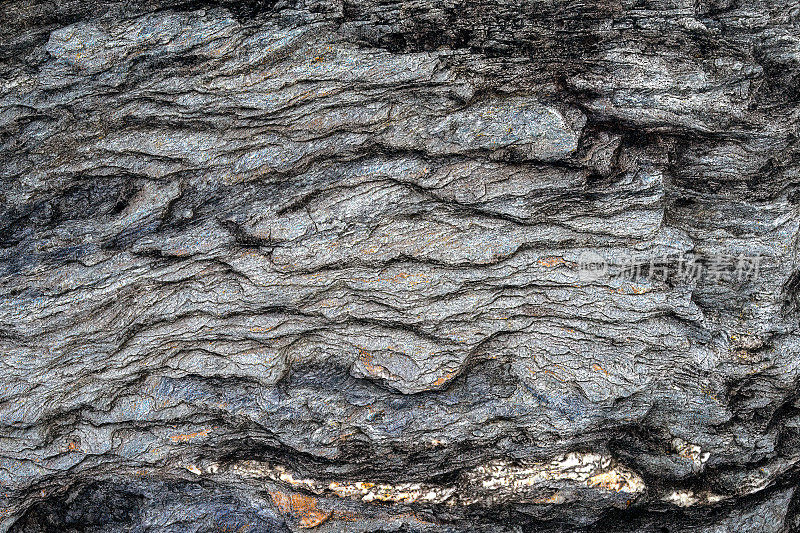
x=395, y=493
x=259, y=469
x=193, y=469
x=507, y=482
x=690, y=451
x=361, y=490
x=591, y=469
x=688, y=498
x=681, y=498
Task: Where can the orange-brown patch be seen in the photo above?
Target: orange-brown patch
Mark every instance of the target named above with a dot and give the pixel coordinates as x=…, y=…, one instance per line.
x=301, y=508
x=551, y=261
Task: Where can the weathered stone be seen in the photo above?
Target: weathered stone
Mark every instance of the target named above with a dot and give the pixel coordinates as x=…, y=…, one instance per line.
x=276, y=266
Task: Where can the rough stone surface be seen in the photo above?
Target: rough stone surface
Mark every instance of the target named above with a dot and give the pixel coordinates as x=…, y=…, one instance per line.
x=316, y=265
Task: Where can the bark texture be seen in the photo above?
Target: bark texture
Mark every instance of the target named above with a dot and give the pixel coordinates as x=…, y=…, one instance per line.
x=315, y=265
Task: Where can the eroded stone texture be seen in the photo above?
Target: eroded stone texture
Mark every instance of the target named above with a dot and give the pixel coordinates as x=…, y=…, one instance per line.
x=316, y=265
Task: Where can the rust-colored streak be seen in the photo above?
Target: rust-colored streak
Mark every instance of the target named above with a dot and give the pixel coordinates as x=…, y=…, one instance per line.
x=444, y=378
x=186, y=437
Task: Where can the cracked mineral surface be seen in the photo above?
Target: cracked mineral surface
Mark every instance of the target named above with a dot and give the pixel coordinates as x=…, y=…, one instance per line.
x=462, y=266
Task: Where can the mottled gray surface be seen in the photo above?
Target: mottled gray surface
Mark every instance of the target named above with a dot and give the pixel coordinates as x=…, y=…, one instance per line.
x=257, y=256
